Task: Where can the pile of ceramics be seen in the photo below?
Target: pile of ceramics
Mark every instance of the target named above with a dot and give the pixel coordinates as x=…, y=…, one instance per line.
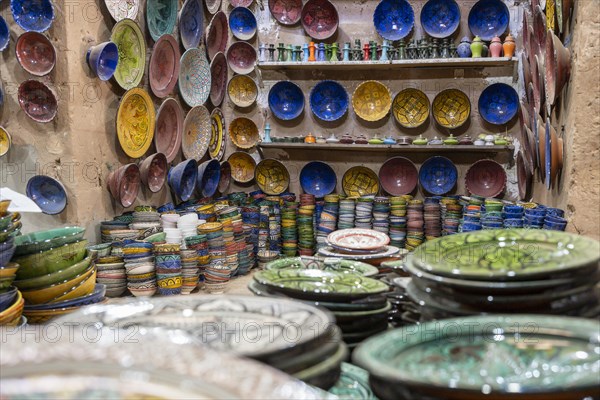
x=471, y=220
x=145, y=219
x=545, y=217
x=451, y=213
x=167, y=259
x=140, y=267
x=11, y=300
x=415, y=232
x=363, y=212
x=263, y=229
x=234, y=240
x=218, y=272
x=398, y=222
x=327, y=221
x=289, y=231
x=433, y=218
x=491, y=215
x=265, y=257
x=192, y=274
x=346, y=220
x=112, y=274
x=306, y=235
x=381, y=214
x=113, y=231
x=275, y=226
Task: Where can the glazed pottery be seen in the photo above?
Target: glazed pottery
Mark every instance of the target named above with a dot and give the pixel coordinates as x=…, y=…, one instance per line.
x=209, y=175
x=242, y=166
x=485, y=178
x=498, y=103
x=182, y=179
x=438, y=175
x=523, y=176
x=161, y=17
x=213, y=5
x=128, y=37
x=244, y=133
x=558, y=67
x=537, y=79
x=319, y=19
x=242, y=91
x=328, y=100
x=217, y=35
x=153, y=172
x=225, y=179
x=103, y=59
x=398, y=176
x=508, y=47
x=240, y=3
x=169, y=129
x=164, y=66
x=272, y=177
x=371, y=101
x=32, y=15
x=194, y=77
x=218, y=71
x=286, y=100
x=191, y=24
x=476, y=47
x=4, y=34
x=241, y=57
x=451, y=108
x=355, y=239
x=286, y=12
x=48, y=193
x=135, y=122
x=440, y=18
x=488, y=18
x=393, y=19
x=5, y=141
x=496, y=47
x=526, y=68
x=37, y=101
x=539, y=32
x=356, y=267
x=464, y=48
x=360, y=181
x=126, y=184
x=121, y=9
x=217, y=143
x=50, y=261
x=242, y=23
x=197, y=129
x=35, y=53
x=411, y=108
x=318, y=178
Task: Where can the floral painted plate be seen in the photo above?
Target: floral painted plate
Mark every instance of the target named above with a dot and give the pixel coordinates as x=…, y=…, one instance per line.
x=135, y=122
x=219, y=75
x=358, y=239
x=164, y=66
x=127, y=35
x=360, y=181
x=196, y=133
x=121, y=9
x=169, y=128
x=356, y=267
x=194, y=77
x=161, y=16
x=217, y=144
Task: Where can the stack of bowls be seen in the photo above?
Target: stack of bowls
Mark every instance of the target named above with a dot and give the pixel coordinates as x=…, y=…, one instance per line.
x=139, y=263
x=275, y=225
x=451, y=212
x=381, y=214
x=263, y=228
x=110, y=230
x=347, y=207
x=555, y=220
x=173, y=235
x=265, y=257
x=146, y=219
x=11, y=307
x=534, y=217
x=169, y=220
x=167, y=258
x=327, y=220
x=199, y=243
x=306, y=236
x=471, y=220
x=250, y=219
x=433, y=218
x=206, y=212
x=398, y=222
x=189, y=269
x=415, y=232
x=188, y=224
x=112, y=274
x=492, y=214
x=364, y=212
x=217, y=272
x=101, y=249
x=513, y=216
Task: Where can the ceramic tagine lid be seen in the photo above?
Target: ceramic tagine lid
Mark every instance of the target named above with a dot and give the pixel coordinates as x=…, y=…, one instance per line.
x=310, y=138
x=500, y=141
x=347, y=139
x=389, y=140
x=332, y=139
x=405, y=141
x=451, y=140
x=480, y=140
x=376, y=140
x=361, y=139
x=465, y=140
x=420, y=140
x=489, y=140
x=436, y=140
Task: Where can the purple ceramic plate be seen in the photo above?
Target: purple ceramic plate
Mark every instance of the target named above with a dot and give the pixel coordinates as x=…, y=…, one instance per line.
x=219, y=76
x=319, y=19
x=286, y=12
x=241, y=57
x=37, y=101
x=485, y=178
x=164, y=66
x=35, y=53
x=169, y=128
x=217, y=35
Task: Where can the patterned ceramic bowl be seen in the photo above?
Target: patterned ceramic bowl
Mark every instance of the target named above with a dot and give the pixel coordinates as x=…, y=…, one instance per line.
x=135, y=122
x=372, y=101
x=194, y=77
x=438, y=175
x=197, y=129
x=48, y=193
x=217, y=35
x=242, y=166
x=286, y=12
x=440, y=18
x=164, y=66
x=31, y=15
x=128, y=37
x=217, y=144
x=318, y=178
x=161, y=17
x=329, y=100
x=398, y=176
x=272, y=177
x=219, y=75
x=488, y=18
x=485, y=178
x=498, y=103
x=286, y=100
x=5, y=141
x=411, y=108
x=319, y=19
x=35, y=53
x=244, y=133
x=360, y=181
x=242, y=91
x=394, y=19
x=241, y=57
x=242, y=23
x=191, y=24
x=451, y=108
x=37, y=101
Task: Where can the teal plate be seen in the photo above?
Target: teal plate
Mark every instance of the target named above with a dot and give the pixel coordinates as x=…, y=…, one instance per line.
x=353, y=384
x=357, y=267
x=527, y=355
x=46, y=240
x=161, y=16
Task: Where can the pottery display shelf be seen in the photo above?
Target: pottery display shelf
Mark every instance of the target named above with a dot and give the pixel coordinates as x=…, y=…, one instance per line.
x=378, y=148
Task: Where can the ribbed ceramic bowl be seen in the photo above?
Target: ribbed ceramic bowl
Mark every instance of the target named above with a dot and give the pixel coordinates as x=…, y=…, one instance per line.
x=241, y=57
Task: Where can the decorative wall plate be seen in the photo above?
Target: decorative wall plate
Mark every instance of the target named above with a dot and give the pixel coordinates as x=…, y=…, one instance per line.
x=242, y=91
x=498, y=103
x=411, y=108
x=219, y=74
x=524, y=176
x=191, y=24
x=286, y=100
x=169, y=128
x=242, y=166
x=135, y=122
x=451, y=108
x=485, y=178
x=438, y=175
x=32, y=15
x=217, y=35
x=48, y=193
x=225, y=180
x=217, y=144
x=164, y=66
x=398, y=176
x=358, y=239
x=38, y=101
x=372, y=101
x=329, y=100
x=286, y=12
x=320, y=19
x=5, y=141
x=272, y=177
x=242, y=23
x=318, y=178
x=161, y=17
x=360, y=181
x=489, y=18
x=440, y=18
x=194, y=77
x=244, y=133
x=197, y=130
x=35, y=53
x=121, y=9
x=394, y=19
x=241, y=57
x=213, y=5
x=126, y=34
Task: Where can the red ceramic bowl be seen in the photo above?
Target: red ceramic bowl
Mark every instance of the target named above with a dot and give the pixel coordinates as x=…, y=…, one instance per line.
x=169, y=129
x=485, y=178
x=225, y=179
x=37, y=101
x=217, y=35
x=319, y=19
x=398, y=176
x=129, y=184
x=218, y=72
x=35, y=53
x=164, y=66
x=241, y=57
x=286, y=12
x=523, y=176
x=153, y=171
x=558, y=67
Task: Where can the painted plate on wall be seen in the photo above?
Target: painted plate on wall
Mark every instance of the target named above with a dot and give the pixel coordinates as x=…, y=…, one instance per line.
x=371, y=101
x=438, y=175
x=169, y=128
x=272, y=177
x=320, y=19
x=217, y=35
x=135, y=122
x=394, y=19
x=127, y=35
x=286, y=12
x=38, y=101
x=197, y=130
x=194, y=77
x=121, y=9
x=4, y=36
x=451, y=108
x=217, y=144
x=219, y=75
x=489, y=18
x=411, y=108
x=33, y=15
x=191, y=24
x=360, y=181
x=164, y=66
x=161, y=16
x=440, y=18
x=329, y=100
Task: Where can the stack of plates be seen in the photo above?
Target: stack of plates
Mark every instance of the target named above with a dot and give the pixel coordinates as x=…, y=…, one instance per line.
x=233, y=237
x=113, y=274
x=512, y=216
x=451, y=213
x=217, y=273
x=263, y=229
x=250, y=220
x=398, y=222
x=433, y=218
x=364, y=212
x=325, y=264
x=347, y=207
x=188, y=223
x=381, y=214
x=11, y=300
x=353, y=384
x=199, y=243
x=112, y=231
x=328, y=219
x=306, y=234
x=415, y=234
x=289, y=232
x=471, y=220
x=146, y=219
x=491, y=214
x=190, y=272
x=275, y=227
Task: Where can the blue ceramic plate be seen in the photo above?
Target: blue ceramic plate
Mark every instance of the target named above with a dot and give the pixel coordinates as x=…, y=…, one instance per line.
x=209, y=174
x=48, y=193
x=33, y=15
x=161, y=16
x=394, y=19
x=242, y=23
x=498, y=103
x=4, y=35
x=329, y=100
x=286, y=100
x=182, y=178
x=438, y=175
x=191, y=24
x=95, y=297
x=318, y=178
x=440, y=18
x=548, y=151
x=488, y=18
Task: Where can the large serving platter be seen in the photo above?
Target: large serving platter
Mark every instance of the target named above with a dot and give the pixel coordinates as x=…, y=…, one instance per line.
x=358, y=239
x=357, y=267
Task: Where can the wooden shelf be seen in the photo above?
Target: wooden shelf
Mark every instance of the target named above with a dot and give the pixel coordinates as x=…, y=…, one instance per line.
x=378, y=148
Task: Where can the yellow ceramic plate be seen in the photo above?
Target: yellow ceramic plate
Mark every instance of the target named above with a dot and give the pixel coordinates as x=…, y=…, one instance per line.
x=197, y=130
x=135, y=122
x=411, y=108
x=242, y=91
x=5, y=141
x=128, y=36
x=360, y=181
x=371, y=100
x=272, y=177
x=451, y=108
x=242, y=167
x=216, y=146
x=244, y=133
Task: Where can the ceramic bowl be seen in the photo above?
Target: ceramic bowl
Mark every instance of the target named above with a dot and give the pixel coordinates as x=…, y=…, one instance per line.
x=130, y=40
x=48, y=193
x=8, y=269
x=5, y=141
x=485, y=178
x=7, y=298
x=164, y=66
x=31, y=15
x=219, y=74
x=50, y=261
x=128, y=184
x=213, y=5
x=244, y=133
x=242, y=23
x=451, y=108
x=438, y=175
x=4, y=34
x=488, y=18
x=558, y=67
x=103, y=59
x=286, y=100
x=153, y=172
x=320, y=19
x=241, y=57
x=272, y=177
x=135, y=122
x=537, y=80
x=360, y=181
x=121, y=9
x=218, y=142
x=540, y=31
x=169, y=129
x=56, y=277
x=12, y=315
x=242, y=166
x=286, y=12
x=45, y=240
x=242, y=91
x=523, y=177
x=225, y=179
x=37, y=101
x=498, y=103
x=372, y=101
x=81, y=285
x=182, y=179
x=398, y=176
x=394, y=19
x=318, y=178
x=161, y=17
x=440, y=18
x=194, y=77
x=7, y=250
x=411, y=108
x=329, y=100
x=197, y=129
x=217, y=35
x=209, y=175
x=191, y=23
x=35, y=53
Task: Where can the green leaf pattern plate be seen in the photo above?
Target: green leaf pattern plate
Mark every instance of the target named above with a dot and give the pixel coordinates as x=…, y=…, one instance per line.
x=128, y=37
x=345, y=266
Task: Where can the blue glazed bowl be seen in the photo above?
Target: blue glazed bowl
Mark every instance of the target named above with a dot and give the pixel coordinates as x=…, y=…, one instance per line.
x=242, y=23
x=555, y=212
x=166, y=207
x=535, y=212
x=7, y=298
x=318, y=178
x=48, y=193
x=286, y=100
x=191, y=24
x=209, y=174
x=513, y=209
x=438, y=175
x=440, y=18
x=394, y=19
x=329, y=100
x=182, y=179
x=32, y=15
x=4, y=35
x=103, y=59
x=488, y=18
x=498, y=103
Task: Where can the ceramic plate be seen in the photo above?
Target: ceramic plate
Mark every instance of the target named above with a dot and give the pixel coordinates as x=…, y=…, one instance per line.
x=197, y=130
x=320, y=19
x=329, y=100
x=48, y=193
x=371, y=101
x=358, y=239
x=242, y=91
x=286, y=100
x=244, y=133
x=217, y=144
x=507, y=254
x=489, y=18
x=316, y=284
x=218, y=72
x=5, y=141
x=387, y=252
x=127, y=35
x=217, y=35
x=286, y=12
x=411, y=108
x=4, y=35
x=394, y=19
x=135, y=122
x=438, y=175
x=31, y=15
x=164, y=66
x=191, y=24
x=318, y=178
x=38, y=101
x=242, y=23
x=169, y=128
x=451, y=108
x=242, y=166
x=241, y=57
x=356, y=267
x=194, y=77
x=272, y=177
x=440, y=18
x=121, y=9
x=161, y=17
x=498, y=103
x=360, y=181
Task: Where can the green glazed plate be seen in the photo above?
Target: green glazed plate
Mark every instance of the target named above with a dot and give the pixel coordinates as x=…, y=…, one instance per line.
x=127, y=35
x=357, y=267
x=46, y=240
x=353, y=384
x=507, y=254
x=161, y=16
x=525, y=354
x=315, y=284
x=49, y=261
x=56, y=277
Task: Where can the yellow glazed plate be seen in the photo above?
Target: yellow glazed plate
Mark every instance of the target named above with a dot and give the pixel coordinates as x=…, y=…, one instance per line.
x=242, y=167
x=272, y=177
x=244, y=133
x=216, y=146
x=5, y=141
x=242, y=91
x=360, y=181
x=197, y=130
x=127, y=35
x=451, y=108
x=135, y=122
x=411, y=108
x=371, y=100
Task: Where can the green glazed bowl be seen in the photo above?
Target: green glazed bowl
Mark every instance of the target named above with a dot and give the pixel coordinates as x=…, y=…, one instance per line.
x=5, y=283
x=56, y=277
x=46, y=240
x=156, y=238
x=49, y=261
x=12, y=230
x=101, y=250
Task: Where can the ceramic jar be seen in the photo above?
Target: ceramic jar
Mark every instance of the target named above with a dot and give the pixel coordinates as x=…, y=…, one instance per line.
x=310, y=138
x=464, y=48
x=420, y=141
x=451, y=140
x=436, y=141
x=476, y=47
x=346, y=139
x=509, y=46
x=389, y=140
x=496, y=47
x=404, y=141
